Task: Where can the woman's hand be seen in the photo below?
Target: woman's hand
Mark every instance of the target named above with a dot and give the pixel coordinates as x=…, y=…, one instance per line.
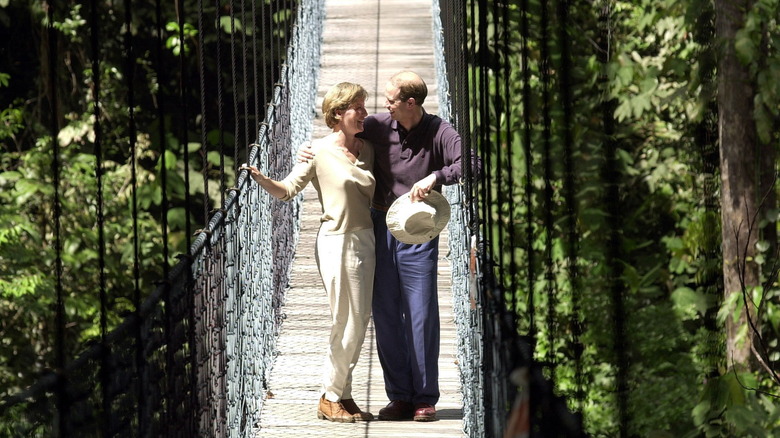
x=275, y=188
x=255, y=173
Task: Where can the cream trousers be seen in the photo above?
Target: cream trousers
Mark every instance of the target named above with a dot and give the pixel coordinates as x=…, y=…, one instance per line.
x=346, y=263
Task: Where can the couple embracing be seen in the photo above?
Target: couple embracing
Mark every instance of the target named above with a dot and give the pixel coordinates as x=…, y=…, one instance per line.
x=378, y=179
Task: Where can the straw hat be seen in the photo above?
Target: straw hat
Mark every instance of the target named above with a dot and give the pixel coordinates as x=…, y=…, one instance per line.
x=418, y=222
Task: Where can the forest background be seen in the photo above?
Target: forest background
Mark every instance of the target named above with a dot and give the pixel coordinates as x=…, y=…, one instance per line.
x=679, y=218
x=640, y=249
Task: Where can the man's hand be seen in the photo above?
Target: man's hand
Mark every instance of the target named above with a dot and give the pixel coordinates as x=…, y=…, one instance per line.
x=421, y=188
x=305, y=153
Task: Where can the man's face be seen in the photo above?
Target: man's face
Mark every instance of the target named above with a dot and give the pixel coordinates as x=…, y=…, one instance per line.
x=397, y=108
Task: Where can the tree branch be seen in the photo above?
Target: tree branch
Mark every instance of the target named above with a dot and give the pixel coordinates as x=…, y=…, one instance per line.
x=741, y=268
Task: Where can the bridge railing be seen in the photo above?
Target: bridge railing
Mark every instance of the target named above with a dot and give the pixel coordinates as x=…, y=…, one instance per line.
x=192, y=360
x=505, y=392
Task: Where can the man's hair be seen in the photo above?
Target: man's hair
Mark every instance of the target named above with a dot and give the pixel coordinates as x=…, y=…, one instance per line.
x=340, y=97
x=410, y=84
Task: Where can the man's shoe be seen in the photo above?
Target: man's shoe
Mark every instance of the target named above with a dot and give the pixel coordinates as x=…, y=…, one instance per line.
x=353, y=409
x=333, y=411
x=397, y=410
x=424, y=412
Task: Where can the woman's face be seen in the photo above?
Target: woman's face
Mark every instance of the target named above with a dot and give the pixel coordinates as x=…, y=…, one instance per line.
x=352, y=118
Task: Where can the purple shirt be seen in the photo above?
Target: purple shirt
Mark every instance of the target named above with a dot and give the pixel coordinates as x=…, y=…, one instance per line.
x=404, y=157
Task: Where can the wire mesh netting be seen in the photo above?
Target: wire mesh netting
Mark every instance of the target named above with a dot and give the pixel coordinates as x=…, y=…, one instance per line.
x=192, y=361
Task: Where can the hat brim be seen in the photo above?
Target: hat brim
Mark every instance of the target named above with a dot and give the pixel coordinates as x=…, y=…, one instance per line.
x=435, y=200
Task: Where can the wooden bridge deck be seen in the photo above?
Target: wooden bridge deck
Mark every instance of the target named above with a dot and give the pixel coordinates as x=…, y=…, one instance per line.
x=364, y=42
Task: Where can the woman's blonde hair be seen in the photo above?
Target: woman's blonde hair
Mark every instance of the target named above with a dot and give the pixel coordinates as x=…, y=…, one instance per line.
x=340, y=97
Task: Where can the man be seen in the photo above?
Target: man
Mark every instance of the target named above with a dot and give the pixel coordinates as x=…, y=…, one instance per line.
x=415, y=152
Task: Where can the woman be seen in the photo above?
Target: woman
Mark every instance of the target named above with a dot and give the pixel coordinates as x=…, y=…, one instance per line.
x=341, y=174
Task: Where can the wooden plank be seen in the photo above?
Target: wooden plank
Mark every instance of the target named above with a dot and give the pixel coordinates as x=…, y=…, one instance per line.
x=364, y=42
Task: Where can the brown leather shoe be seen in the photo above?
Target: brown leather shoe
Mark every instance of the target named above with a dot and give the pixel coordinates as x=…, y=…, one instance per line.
x=333, y=411
x=424, y=412
x=352, y=407
x=397, y=410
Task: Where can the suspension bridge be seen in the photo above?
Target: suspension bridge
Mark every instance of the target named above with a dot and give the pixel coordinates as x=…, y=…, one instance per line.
x=354, y=56
x=231, y=341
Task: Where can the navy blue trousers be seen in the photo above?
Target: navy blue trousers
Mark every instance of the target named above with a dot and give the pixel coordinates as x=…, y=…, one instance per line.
x=406, y=315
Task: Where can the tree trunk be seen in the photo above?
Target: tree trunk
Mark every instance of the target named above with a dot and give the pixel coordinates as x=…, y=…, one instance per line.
x=739, y=176
x=768, y=162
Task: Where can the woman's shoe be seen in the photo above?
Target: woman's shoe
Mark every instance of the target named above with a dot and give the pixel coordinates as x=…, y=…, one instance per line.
x=333, y=411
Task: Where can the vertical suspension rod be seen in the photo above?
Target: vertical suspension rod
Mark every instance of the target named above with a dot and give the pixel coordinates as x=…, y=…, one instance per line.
x=549, y=226
x=614, y=224
x=140, y=361
x=569, y=191
x=62, y=404
x=98, y=150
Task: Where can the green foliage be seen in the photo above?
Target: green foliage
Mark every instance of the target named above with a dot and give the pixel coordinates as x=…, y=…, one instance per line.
x=728, y=408
x=11, y=118
x=72, y=26
x=175, y=42
x=757, y=45
x=29, y=258
x=650, y=66
x=10, y=122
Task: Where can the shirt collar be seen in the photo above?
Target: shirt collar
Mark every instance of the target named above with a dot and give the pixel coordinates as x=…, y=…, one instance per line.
x=397, y=127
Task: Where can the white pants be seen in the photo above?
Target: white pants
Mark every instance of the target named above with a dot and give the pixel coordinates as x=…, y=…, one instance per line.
x=346, y=263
